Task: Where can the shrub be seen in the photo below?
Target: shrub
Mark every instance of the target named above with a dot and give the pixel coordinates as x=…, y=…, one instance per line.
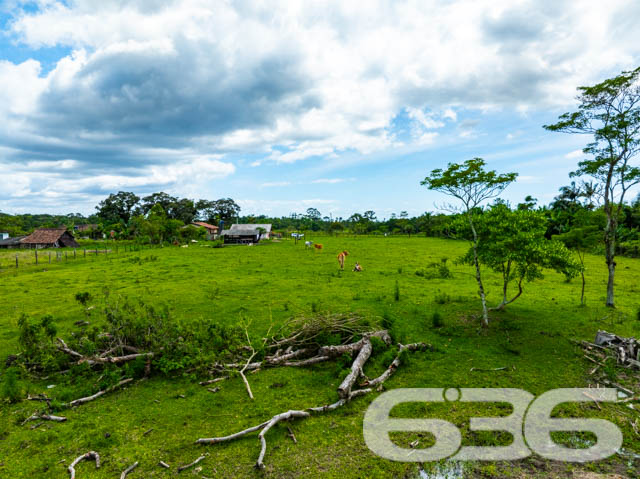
x=436, y=270
x=396, y=292
x=442, y=298
x=11, y=389
x=436, y=320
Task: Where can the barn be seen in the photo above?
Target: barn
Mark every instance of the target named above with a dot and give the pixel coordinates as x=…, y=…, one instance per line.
x=49, y=238
x=246, y=233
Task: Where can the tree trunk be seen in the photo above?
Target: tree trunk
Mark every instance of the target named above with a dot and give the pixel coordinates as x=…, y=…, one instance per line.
x=476, y=263
x=610, y=254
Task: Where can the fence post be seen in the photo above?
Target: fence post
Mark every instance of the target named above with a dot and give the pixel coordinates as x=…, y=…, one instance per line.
x=49, y=257
x=66, y=258
x=96, y=250
x=74, y=253
x=16, y=261
x=36, y=257
x=85, y=252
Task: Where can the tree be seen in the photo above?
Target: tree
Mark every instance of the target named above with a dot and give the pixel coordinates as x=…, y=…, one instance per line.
x=471, y=185
x=610, y=112
x=183, y=210
x=529, y=203
x=224, y=209
x=163, y=199
x=313, y=214
x=513, y=243
x=118, y=207
x=581, y=240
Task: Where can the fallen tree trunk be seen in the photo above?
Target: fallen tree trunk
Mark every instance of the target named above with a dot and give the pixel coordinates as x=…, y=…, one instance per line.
x=47, y=417
x=345, y=391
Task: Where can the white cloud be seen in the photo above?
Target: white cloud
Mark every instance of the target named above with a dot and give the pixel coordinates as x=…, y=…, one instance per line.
x=287, y=81
x=330, y=181
x=572, y=155
x=275, y=184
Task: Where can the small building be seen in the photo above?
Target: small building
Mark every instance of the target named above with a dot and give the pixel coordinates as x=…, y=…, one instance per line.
x=246, y=233
x=49, y=238
x=212, y=231
x=4, y=235
x=11, y=243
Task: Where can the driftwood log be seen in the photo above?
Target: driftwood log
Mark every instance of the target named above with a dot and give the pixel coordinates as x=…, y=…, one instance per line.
x=346, y=390
x=89, y=455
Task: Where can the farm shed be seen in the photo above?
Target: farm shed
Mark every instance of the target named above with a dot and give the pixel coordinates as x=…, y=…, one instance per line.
x=212, y=230
x=4, y=235
x=11, y=243
x=49, y=238
x=246, y=233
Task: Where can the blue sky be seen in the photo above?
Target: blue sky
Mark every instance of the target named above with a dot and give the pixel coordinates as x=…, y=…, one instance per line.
x=284, y=106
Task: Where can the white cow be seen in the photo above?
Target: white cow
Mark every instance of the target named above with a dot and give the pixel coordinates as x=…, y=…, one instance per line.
x=308, y=244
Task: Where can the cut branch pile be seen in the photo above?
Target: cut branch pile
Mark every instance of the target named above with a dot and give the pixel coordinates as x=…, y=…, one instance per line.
x=362, y=350
x=626, y=351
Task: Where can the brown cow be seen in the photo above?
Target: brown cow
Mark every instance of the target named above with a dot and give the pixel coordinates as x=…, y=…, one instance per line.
x=317, y=246
x=341, y=258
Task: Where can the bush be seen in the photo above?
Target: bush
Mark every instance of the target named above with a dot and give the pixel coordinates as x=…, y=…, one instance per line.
x=11, y=389
x=436, y=320
x=387, y=321
x=436, y=270
x=442, y=298
x=396, y=293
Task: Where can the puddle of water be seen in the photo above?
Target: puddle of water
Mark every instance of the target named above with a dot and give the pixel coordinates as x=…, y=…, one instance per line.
x=448, y=470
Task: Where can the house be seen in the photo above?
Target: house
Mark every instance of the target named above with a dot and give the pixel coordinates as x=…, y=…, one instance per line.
x=49, y=238
x=4, y=235
x=246, y=233
x=11, y=243
x=212, y=231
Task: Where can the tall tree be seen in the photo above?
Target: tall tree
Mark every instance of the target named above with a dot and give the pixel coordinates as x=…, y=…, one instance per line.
x=117, y=207
x=471, y=184
x=610, y=112
x=163, y=199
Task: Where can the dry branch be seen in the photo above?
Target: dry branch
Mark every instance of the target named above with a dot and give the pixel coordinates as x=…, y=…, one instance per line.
x=83, y=400
x=89, y=455
x=345, y=391
x=191, y=464
x=47, y=417
x=211, y=381
x=128, y=470
x=356, y=369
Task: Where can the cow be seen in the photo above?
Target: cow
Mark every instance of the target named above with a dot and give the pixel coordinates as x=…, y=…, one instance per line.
x=317, y=246
x=341, y=258
x=308, y=244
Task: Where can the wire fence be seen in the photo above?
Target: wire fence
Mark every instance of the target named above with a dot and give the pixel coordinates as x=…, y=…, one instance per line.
x=17, y=259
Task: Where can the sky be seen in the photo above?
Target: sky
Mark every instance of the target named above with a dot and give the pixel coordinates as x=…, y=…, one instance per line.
x=340, y=105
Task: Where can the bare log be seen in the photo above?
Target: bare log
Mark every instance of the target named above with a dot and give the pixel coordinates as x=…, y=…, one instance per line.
x=128, y=470
x=164, y=464
x=356, y=369
x=77, y=402
x=89, y=455
x=115, y=359
x=333, y=351
x=191, y=464
x=306, y=362
x=215, y=440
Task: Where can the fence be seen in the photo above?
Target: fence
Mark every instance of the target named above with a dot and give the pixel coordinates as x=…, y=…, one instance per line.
x=18, y=259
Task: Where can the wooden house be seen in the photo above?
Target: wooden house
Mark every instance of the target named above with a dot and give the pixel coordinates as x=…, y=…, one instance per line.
x=49, y=238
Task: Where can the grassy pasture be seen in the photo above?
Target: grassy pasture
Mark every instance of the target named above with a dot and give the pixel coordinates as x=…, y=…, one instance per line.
x=277, y=281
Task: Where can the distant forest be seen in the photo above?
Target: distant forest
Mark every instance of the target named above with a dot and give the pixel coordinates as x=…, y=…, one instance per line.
x=160, y=217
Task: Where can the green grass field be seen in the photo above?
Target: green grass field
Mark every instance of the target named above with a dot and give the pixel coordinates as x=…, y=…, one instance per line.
x=280, y=280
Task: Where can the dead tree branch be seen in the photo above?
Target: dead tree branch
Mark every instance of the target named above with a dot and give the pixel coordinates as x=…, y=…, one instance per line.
x=191, y=464
x=128, y=470
x=89, y=455
x=87, y=399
